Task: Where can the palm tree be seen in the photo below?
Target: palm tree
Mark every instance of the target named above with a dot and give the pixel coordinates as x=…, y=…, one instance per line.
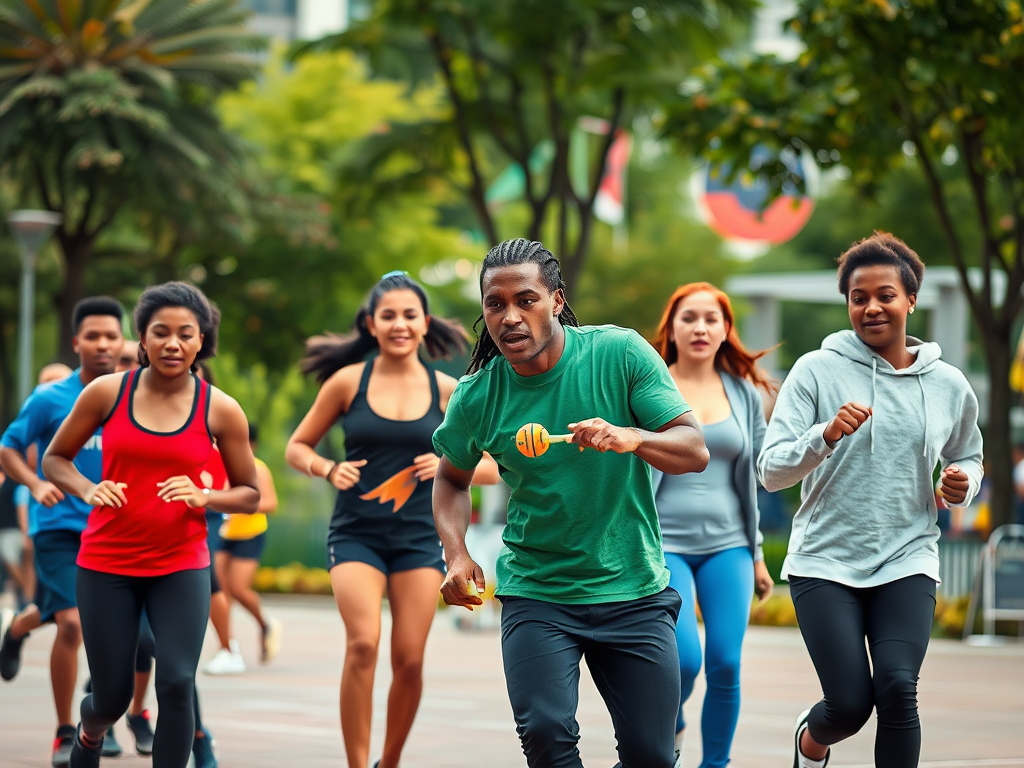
x=106, y=104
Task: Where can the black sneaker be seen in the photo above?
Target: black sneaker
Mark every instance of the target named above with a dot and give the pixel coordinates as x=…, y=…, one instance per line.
x=142, y=730
x=110, y=746
x=81, y=755
x=10, y=649
x=203, y=750
x=62, y=746
x=801, y=725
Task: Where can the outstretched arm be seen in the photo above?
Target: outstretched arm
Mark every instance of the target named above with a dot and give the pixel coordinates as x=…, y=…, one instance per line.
x=452, y=510
x=675, y=448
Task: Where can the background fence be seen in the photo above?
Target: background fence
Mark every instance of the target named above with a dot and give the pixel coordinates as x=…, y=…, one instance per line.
x=304, y=540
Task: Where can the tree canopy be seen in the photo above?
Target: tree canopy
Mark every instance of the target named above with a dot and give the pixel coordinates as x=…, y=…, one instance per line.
x=107, y=105
x=521, y=77
x=878, y=81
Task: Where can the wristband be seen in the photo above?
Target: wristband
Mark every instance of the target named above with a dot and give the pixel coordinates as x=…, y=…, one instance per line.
x=333, y=466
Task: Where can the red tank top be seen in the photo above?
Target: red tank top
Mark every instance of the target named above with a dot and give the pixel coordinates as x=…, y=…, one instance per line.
x=149, y=536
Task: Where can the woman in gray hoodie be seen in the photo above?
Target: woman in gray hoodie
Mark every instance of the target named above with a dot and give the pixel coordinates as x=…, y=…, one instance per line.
x=862, y=422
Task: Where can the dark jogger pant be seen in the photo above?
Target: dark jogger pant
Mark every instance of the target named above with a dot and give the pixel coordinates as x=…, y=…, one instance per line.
x=896, y=619
x=630, y=649
x=178, y=607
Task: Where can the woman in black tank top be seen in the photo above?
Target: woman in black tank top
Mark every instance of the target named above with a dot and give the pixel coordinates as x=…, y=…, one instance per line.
x=382, y=534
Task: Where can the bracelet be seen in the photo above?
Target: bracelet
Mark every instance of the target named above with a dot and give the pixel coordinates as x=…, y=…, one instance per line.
x=333, y=466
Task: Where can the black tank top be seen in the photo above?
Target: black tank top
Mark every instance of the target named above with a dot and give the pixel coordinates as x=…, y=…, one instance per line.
x=388, y=497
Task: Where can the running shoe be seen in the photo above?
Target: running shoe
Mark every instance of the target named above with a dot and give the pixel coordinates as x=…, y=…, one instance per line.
x=679, y=759
x=142, y=730
x=202, y=750
x=799, y=758
x=271, y=639
x=81, y=756
x=110, y=746
x=10, y=649
x=226, y=662
x=62, y=746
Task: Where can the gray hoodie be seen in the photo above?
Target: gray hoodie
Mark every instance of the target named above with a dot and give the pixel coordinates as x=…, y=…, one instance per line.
x=867, y=514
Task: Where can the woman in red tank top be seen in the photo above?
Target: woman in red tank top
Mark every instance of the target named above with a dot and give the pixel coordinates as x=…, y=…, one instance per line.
x=145, y=542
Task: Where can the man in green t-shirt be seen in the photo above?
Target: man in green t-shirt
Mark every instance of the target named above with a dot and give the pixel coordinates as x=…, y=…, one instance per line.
x=582, y=572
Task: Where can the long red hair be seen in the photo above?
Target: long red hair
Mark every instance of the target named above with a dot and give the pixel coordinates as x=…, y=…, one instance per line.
x=732, y=356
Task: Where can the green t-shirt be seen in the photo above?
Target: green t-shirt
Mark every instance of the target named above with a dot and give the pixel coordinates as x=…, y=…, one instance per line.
x=582, y=526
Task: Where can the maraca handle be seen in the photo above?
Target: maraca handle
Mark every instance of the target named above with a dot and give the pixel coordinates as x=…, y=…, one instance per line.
x=560, y=438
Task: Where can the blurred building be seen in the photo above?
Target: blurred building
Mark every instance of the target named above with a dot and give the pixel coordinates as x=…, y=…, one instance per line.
x=290, y=20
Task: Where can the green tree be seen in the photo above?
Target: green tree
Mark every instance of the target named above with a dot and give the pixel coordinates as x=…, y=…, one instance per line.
x=880, y=79
x=311, y=272
x=519, y=75
x=107, y=106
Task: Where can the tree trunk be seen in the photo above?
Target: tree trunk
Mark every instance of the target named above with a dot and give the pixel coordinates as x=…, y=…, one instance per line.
x=573, y=263
x=997, y=437
x=77, y=251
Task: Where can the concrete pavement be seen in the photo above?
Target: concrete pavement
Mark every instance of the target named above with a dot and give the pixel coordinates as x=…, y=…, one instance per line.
x=286, y=713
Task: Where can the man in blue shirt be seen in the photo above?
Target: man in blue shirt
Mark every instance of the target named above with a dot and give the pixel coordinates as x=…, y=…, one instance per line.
x=56, y=521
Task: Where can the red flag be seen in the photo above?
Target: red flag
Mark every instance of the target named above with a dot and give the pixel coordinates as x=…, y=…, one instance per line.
x=609, y=205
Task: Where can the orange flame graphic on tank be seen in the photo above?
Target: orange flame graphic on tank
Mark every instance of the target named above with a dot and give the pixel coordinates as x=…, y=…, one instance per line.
x=397, y=488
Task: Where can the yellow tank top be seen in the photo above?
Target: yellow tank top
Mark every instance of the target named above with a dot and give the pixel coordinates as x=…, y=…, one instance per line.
x=242, y=527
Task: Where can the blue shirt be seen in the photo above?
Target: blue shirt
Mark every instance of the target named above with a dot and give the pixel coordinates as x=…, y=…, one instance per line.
x=37, y=422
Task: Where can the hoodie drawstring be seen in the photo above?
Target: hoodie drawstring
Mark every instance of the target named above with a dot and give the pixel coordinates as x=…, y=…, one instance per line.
x=874, y=374
x=924, y=407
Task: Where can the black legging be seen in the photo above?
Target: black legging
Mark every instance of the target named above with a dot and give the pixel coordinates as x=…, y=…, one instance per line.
x=178, y=606
x=896, y=619
x=144, y=662
x=147, y=647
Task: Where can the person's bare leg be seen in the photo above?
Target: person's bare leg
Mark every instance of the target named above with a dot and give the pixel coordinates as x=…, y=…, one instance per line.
x=28, y=567
x=64, y=663
x=412, y=596
x=17, y=575
x=240, y=573
x=810, y=748
x=358, y=591
x=220, y=611
x=26, y=621
x=139, y=697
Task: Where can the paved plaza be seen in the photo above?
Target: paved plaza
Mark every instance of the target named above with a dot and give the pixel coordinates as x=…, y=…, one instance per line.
x=286, y=714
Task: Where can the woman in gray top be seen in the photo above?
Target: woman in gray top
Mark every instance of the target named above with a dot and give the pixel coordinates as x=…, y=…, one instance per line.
x=709, y=520
x=862, y=422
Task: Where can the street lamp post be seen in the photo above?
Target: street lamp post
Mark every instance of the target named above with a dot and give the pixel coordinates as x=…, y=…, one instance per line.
x=30, y=229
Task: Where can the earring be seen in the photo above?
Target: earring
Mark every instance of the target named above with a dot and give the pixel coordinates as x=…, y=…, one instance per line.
x=911, y=310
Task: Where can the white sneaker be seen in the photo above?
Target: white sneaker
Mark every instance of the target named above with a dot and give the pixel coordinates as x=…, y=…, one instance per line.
x=226, y=662
x=271, y=639
x=679, y=759
x=800, y=760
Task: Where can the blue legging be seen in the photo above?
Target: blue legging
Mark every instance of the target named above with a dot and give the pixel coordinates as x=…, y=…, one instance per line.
x=724, y=583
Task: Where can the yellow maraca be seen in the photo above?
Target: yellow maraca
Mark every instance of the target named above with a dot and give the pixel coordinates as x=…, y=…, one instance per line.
x=533, y=440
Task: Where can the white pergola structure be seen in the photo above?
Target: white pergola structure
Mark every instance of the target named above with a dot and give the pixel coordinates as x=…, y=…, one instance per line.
x=941, y=293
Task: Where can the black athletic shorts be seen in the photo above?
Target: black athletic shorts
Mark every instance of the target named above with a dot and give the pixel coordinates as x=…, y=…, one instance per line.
x=388, y=559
